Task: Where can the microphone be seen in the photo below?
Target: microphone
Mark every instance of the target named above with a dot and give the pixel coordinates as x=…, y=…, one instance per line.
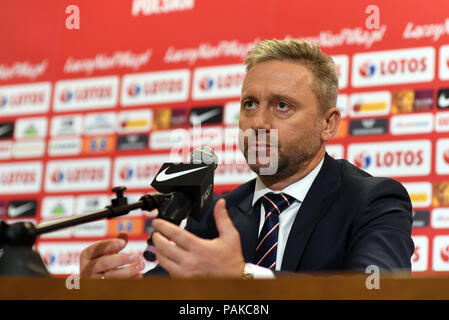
x=190, y=188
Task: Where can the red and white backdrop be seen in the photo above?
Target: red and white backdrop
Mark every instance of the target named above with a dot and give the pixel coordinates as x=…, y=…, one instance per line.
x=83, y=110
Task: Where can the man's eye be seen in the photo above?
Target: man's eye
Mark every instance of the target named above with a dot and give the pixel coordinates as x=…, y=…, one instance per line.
x=249, y=104
x=283, y=106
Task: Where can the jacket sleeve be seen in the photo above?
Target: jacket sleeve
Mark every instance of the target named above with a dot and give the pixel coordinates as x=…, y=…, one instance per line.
x=381, y=230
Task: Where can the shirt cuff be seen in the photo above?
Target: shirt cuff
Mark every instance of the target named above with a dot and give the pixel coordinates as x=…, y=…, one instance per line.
x=261, y=272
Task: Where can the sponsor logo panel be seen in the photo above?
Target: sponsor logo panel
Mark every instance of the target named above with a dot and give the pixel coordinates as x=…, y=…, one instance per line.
x=6, y=130
x=132, y=226
x=63, y=147
x=206, y=115
x=71, y=125
x=155, y=87
x=90, y=203
x=393, y=67
x=134, y=121
x=440, y=218
x=218, y=82
x=401, y=158
x=420, y=218
x=420, y=193
x=443, y=99
x=100, y=123
x=411, y=123
x=420, y=257
x=22, y=209
x=232, y=113
x=81, y=94
x=442, y=122
x=408, y=100
x=28, y=149
x=20, y=177
x=442, y=156
x=369, y=126
x=55, y=208
x=165, y=118
x=370, y=104
x=167, y=139
x=5, y=149
x=440, y=194
x=443, y=70
x=25, y=99
x=132, y=142
x=441, y=253
x=96, y=145
x=77, y=175
x=91, y=229
x=31, y=128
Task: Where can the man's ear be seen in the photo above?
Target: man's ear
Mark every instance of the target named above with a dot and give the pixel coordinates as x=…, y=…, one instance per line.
x=331, y=121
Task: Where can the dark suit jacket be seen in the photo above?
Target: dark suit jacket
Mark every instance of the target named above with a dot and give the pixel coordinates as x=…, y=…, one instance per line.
x=348, y=221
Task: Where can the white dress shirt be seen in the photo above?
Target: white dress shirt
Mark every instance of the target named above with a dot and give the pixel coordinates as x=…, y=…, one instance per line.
x=298, y=190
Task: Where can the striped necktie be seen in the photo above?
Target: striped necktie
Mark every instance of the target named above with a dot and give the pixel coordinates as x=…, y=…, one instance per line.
x=266, y=249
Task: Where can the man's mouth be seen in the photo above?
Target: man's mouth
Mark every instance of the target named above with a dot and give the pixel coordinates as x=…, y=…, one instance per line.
x=259, y=147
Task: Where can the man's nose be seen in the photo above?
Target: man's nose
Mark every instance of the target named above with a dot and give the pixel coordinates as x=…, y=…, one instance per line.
x=261, y=120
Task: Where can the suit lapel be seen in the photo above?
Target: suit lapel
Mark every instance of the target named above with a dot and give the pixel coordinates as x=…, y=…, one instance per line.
x=321, y=194
x=246, y=219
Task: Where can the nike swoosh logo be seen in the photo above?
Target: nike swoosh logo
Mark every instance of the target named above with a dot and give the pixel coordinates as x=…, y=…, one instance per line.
x=167, y=176
x=195, y=118
x=5, y=129
x=443, y=101
x=17, y=211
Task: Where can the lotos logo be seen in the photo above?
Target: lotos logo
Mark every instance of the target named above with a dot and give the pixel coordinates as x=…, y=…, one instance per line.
x=57, y=176
x=416, y=254
x=362, y=161
x=444, y=253
x=206, y=83
x=66, y=96
x=393, y=67
x=134, y=90
x=49, y=258
x=3, y=101
x=446, y=156
x=367, y=69
x=126, y=173
x=399, y=158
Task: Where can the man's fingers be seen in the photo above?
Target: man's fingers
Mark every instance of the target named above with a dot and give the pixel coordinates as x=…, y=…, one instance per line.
x=124, y=236
x=173, y=268
x=167, y=248
x=181, y=237
x=113, y=261
x=131, y=271
x=222, y=220
x=103, y=247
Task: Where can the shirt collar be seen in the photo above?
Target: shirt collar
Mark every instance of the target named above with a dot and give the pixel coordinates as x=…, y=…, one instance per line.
x=298, y=189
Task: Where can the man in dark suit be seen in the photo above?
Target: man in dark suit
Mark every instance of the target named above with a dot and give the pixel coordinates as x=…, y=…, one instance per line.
x=305, y=211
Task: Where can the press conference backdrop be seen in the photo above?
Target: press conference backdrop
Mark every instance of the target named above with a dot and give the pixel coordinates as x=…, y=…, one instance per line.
x=85, y=107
